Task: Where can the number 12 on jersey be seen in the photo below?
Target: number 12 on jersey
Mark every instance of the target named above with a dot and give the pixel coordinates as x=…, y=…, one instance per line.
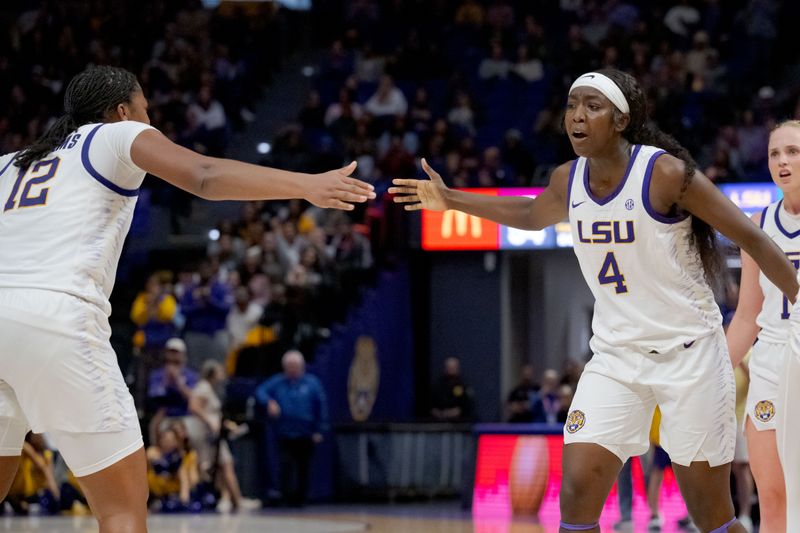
x=794, y=257
x=40, y=173
x=610, y=273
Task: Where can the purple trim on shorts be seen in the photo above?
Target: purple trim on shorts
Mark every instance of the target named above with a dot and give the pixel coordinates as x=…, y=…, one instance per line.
x=778, y=222
x=648, y=175
x=615, y=192
x=582, y=527
x=724, y=527
x=569, y=183
x=763, y=217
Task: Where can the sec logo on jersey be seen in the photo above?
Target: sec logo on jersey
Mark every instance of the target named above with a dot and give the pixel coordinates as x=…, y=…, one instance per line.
x=575, y=421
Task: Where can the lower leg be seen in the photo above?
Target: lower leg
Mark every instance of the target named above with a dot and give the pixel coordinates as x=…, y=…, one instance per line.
x=231, y=484
x=8, y=471
x=744, y=487
x=768, y=475
x=654, y=489
x=706, y=490
x=117, y=495
x=589, y=471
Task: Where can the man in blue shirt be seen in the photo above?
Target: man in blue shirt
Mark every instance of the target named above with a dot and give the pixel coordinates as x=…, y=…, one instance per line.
x=297, y=404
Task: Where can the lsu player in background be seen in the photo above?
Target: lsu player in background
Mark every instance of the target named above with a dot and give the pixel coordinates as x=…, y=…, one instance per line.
x=642, y=219
x=66, y=203
x=788, y=429
x=763, y=313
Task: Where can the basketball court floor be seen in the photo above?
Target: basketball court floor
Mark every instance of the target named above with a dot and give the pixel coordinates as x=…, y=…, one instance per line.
x=413, y=518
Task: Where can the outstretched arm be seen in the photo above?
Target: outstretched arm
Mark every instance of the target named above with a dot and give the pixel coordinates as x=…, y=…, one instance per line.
x=224, y=179
x=704, y=200
x=743, y=329
x=521, y=212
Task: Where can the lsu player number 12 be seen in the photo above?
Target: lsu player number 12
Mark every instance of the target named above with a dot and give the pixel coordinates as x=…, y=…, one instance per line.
x=39, y=174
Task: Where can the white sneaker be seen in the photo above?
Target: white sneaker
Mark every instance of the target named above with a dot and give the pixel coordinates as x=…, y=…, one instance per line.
x=655, y=523
x=624, y=526
x=746, y=522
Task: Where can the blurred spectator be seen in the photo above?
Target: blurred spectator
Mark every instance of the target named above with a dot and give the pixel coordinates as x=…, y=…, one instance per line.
x=753, y=139
x=495, y=66
x=521, y=399
x=153, y=311
x=242, y=317
x=296, y=402
x=207, y=123
x=172, y=471
x=565, y=395
x=528, y=68
x=452, y=397
x=205, y=303
x=462, y=115
x=170, y=386
x=35, y=481
x=388, y=99
x=207, y=433
x=548, y=396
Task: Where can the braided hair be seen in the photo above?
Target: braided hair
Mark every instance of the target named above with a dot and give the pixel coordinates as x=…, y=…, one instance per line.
x=640, y=131
x=90, y=96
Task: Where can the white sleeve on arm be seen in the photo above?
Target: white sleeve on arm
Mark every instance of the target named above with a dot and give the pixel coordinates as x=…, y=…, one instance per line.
x=110, y=153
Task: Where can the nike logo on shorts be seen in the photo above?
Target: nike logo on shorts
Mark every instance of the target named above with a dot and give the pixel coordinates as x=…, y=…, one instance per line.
x=688, y=345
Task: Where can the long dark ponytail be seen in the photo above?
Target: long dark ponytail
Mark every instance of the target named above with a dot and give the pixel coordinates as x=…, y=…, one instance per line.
x=641, y=131
x=90, y=95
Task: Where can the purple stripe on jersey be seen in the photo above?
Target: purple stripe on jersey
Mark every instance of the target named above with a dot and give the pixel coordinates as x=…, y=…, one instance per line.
x=96, y=175
x=569, y=183
x=655, y=215
x=778, y=222
x=763, y=217
x=615, y=192
x=6, y=167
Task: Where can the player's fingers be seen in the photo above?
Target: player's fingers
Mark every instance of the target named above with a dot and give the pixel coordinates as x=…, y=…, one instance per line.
x=363, y=185
x=429, y=171
x=348, y=196
x=405, y=183
x=406, y=199
x=413, y=207
x=346, y=171
x=353, y=189
x=402, y=190
x=338, y=204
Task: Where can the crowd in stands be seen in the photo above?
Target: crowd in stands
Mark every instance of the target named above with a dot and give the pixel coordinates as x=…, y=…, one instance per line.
x=202, y=70
x=478, y=87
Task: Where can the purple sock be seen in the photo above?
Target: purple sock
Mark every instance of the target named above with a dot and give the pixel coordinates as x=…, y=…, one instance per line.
x=582, y=527
x=724, y=527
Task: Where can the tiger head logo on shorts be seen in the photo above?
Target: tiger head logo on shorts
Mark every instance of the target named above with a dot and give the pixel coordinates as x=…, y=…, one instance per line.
x=575, y=421
x=764, y=410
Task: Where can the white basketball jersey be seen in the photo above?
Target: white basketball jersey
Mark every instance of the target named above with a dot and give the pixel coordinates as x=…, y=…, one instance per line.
x=784, y=229
x=64, y=219
x=647, y=279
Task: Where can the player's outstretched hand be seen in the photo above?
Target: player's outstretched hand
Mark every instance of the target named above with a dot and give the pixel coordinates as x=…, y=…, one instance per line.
x=421, y=194
x=337, y=190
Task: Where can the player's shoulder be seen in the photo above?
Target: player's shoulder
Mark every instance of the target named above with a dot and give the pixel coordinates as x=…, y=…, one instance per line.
x=6, y=160
x=670, y=168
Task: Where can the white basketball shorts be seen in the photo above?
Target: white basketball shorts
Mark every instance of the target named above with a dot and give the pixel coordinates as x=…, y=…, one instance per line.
x=766, y=364
x=693, y=384
x=59, y=374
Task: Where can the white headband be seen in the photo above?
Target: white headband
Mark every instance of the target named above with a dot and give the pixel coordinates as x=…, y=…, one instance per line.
x=606, y=86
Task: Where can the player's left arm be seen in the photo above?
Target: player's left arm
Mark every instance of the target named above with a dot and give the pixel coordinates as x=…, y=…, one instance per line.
x=704, y=200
